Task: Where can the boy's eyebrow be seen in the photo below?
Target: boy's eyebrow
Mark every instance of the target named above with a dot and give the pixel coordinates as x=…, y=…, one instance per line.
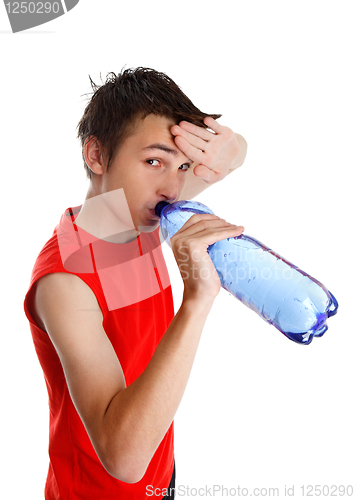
x=162, y=147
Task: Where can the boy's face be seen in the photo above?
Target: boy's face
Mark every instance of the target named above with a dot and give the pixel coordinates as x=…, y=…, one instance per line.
x=150, y=168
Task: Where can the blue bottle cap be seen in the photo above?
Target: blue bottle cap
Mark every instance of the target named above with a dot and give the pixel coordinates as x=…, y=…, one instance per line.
x=159, y=207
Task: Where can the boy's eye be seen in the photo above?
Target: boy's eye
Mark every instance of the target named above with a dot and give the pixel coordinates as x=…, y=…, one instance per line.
x=151, y=162
x=156, y=163
x=186, y=165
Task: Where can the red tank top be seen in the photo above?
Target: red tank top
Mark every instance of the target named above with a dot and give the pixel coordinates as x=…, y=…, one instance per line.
x=131, y=284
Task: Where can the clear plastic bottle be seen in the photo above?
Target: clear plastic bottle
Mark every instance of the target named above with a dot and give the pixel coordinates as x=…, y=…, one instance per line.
x=282, y=294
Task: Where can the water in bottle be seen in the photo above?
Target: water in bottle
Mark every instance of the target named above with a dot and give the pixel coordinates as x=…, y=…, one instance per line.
x=281, y=293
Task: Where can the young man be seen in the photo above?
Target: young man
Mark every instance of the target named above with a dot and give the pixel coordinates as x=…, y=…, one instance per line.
x=115, y=358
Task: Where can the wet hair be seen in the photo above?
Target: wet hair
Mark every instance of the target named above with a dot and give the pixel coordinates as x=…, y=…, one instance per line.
x=132, y=94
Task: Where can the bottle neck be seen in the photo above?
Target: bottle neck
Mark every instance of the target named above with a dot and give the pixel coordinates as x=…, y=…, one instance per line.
x=159, y=207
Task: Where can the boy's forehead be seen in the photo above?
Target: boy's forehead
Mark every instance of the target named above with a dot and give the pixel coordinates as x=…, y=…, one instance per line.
x=151, y=129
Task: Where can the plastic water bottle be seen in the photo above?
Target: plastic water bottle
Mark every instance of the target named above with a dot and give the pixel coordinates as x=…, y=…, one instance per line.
x=283, y=295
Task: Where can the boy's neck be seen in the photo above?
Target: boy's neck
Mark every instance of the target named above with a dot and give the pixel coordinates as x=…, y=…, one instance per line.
x=98, y=217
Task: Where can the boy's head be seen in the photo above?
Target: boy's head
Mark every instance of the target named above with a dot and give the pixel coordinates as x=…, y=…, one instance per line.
x=127, y=97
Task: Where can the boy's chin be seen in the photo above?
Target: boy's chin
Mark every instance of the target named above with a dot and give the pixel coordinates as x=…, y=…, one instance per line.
x=148, y=229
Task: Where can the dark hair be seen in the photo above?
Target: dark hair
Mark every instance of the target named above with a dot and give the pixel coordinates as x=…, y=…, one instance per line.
x=126, y=97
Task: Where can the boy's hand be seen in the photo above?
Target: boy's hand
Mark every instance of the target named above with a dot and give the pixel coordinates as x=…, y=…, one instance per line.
x=213, y=152
x=190, y=243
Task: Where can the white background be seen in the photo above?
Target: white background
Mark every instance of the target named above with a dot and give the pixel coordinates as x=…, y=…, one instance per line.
x=259, y=410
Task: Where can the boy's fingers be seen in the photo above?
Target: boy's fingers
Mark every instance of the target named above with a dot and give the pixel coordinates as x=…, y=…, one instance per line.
x=196, y=225
x=213, y=125
x=195, y=141
x=194, y=130
x=190, y=151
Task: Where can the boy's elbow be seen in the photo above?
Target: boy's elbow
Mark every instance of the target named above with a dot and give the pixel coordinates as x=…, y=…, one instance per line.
x=126, y=469
x=125, y=473
x=125, y=458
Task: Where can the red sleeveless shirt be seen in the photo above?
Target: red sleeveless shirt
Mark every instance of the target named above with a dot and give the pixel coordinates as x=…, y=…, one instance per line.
x=131, y=284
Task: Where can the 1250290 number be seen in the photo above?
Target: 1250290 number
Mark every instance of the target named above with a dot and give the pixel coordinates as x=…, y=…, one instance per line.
x=325, y=491
x=32, y=7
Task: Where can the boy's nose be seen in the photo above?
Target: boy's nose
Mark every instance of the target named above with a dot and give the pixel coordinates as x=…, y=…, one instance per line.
x=170, y=189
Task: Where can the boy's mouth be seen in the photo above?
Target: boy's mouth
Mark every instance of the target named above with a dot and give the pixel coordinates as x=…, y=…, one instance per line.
x=155, y=217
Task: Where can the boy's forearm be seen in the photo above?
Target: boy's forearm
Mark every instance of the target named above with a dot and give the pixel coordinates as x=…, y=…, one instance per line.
x=239, y=159
x=139, y=416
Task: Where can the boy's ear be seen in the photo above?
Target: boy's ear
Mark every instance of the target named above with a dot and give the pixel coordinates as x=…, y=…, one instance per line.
x=94, y=157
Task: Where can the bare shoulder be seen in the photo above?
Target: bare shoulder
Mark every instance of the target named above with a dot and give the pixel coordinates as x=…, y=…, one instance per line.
x=63, y=301
x=56, y=290
x=64, y=285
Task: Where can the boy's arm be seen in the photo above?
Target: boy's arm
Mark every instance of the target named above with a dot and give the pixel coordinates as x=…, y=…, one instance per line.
x=215, y=154
x=126, y=423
